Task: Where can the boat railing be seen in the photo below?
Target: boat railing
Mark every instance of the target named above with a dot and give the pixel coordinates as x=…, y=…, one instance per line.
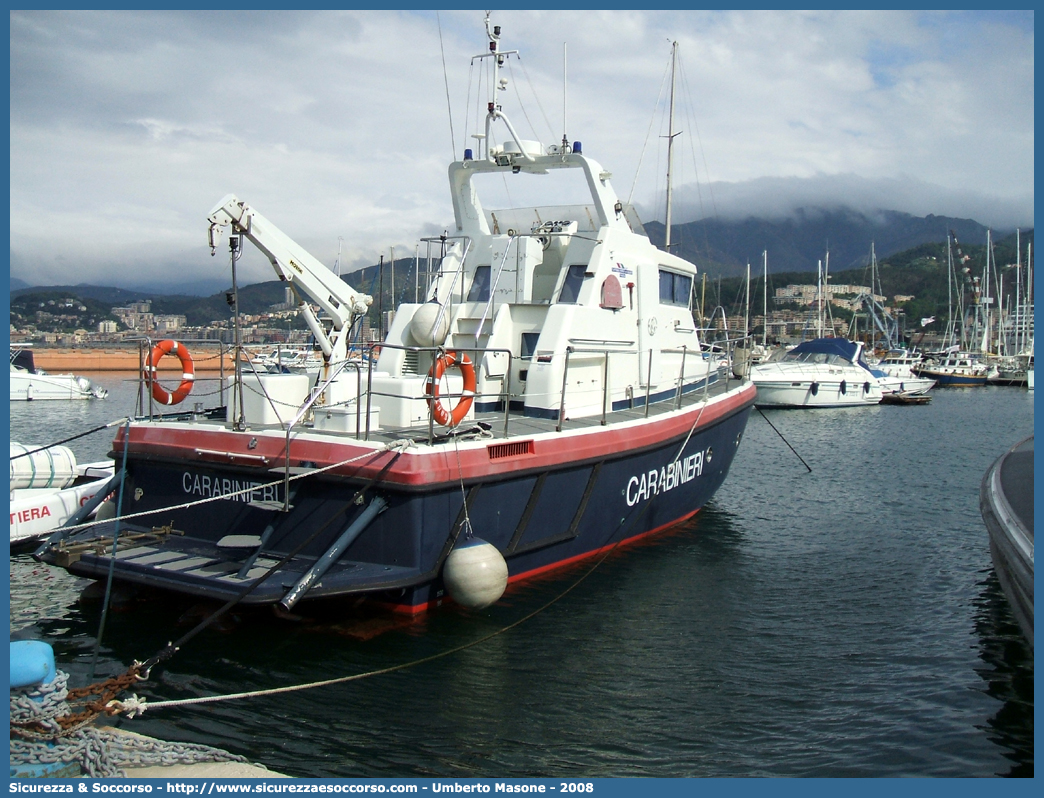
x=456, y=274
x=145, y=406
x=604, y=355
x=314, y=395
x=493, y=285
x=476, y=354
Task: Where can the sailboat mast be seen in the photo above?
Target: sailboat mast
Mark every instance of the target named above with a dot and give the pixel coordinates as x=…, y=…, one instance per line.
x=670, y=147
x=873, y=287
x=819, y=299
x=764, y=296
x=1018, y=291
x=985, y=298
x=1029, y=292
x=949, y=293
x=746, y=307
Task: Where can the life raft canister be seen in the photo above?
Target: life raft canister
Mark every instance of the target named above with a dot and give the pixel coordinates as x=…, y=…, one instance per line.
x=159, y=393
x=450, y=418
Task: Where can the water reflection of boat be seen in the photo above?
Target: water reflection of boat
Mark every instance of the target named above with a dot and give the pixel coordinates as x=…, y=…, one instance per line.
x=1007, y=673
x=1006, y=502
x=550, y=397
x=30, y=384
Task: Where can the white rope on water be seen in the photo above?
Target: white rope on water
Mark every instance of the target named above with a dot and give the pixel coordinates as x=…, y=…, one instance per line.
x=136, y=706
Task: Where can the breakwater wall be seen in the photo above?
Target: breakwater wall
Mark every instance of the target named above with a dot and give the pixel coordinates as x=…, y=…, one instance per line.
x=59, y=361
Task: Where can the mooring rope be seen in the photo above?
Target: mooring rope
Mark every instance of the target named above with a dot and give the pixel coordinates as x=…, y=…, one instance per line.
x=74, y=437
x=137, y=706
x=41, y=735
x=780, y=434
x=402, y=444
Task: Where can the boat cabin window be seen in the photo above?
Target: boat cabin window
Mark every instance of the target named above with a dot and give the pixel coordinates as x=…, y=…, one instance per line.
x=571, y=287
x=815, y=357
x=674, y=288
x=480, y=285
x=529, y=342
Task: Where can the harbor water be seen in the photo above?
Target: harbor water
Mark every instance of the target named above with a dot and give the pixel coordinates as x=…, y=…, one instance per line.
x=839, y=622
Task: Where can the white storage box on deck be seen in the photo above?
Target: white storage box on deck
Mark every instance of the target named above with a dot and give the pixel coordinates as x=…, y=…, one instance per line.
x=268, y=399
x=402, y=403
x=344, y=419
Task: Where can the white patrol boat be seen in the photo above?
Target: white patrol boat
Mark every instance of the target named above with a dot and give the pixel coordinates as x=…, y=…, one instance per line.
x=547, y=401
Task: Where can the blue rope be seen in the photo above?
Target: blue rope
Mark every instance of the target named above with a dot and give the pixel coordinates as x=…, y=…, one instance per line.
x=112, y=557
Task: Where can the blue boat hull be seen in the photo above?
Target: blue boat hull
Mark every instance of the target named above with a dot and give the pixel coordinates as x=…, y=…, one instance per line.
x=538, y=518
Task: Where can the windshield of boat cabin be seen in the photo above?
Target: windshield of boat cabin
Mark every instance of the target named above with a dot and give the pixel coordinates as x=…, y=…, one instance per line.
x=502, y=191
x=815, y=357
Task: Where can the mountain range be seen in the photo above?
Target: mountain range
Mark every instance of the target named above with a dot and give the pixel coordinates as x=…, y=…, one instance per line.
x=796, y=243
x=719, y=248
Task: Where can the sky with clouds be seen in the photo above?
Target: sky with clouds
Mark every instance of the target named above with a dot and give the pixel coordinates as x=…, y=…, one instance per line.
x=127, y=127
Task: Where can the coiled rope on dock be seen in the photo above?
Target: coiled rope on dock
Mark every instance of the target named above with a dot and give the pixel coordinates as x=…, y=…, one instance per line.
x=46, y=731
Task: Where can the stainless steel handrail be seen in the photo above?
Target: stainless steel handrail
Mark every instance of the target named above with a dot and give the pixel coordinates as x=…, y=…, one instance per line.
x=493, y=286
x=145, y=379
x=302, y=412
x=477, y=353
x=456, y=274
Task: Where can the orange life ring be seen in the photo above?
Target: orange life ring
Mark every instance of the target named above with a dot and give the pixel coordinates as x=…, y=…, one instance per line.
x=188, y=376
x=450, y=418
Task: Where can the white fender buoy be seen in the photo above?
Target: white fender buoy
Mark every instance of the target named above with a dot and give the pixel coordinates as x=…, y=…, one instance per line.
x=106, y=511
x=422, y=325
x=475, y=574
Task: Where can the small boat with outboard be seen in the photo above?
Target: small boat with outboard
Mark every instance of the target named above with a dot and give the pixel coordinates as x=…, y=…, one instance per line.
x=1006, y=503
x=822, y=372
x=549, y=400
x=48, y=487
x=29, y=383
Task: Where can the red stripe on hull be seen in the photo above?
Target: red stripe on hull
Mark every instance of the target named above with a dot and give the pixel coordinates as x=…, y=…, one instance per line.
x=201, y=446
x=429, y=606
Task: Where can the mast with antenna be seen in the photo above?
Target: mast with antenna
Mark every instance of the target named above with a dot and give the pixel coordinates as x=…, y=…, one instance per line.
x=764, y=297
x=565, y=97
x=670, y=147
x=746, y=307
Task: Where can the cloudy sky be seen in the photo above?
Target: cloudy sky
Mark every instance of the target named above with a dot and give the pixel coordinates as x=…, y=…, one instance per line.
x=127, y=127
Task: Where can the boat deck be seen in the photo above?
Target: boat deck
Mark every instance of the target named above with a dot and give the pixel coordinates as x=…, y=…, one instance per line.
x=519, y=425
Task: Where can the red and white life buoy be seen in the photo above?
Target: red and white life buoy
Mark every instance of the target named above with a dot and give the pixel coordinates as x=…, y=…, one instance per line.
x=450, y=418
x=159, y=393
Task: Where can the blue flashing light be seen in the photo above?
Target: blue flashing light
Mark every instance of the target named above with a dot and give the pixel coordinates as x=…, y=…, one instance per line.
x=469, y=155
x=576, y=147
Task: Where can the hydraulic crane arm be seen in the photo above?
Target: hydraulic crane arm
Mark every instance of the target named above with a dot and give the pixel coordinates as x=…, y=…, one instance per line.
x=290, y=261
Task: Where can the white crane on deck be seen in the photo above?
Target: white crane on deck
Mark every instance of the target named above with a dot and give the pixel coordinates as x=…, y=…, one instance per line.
x=293, y=264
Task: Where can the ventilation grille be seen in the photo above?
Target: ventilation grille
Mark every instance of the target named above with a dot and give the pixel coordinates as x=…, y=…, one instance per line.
x=499, y=451
x=409, y=363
